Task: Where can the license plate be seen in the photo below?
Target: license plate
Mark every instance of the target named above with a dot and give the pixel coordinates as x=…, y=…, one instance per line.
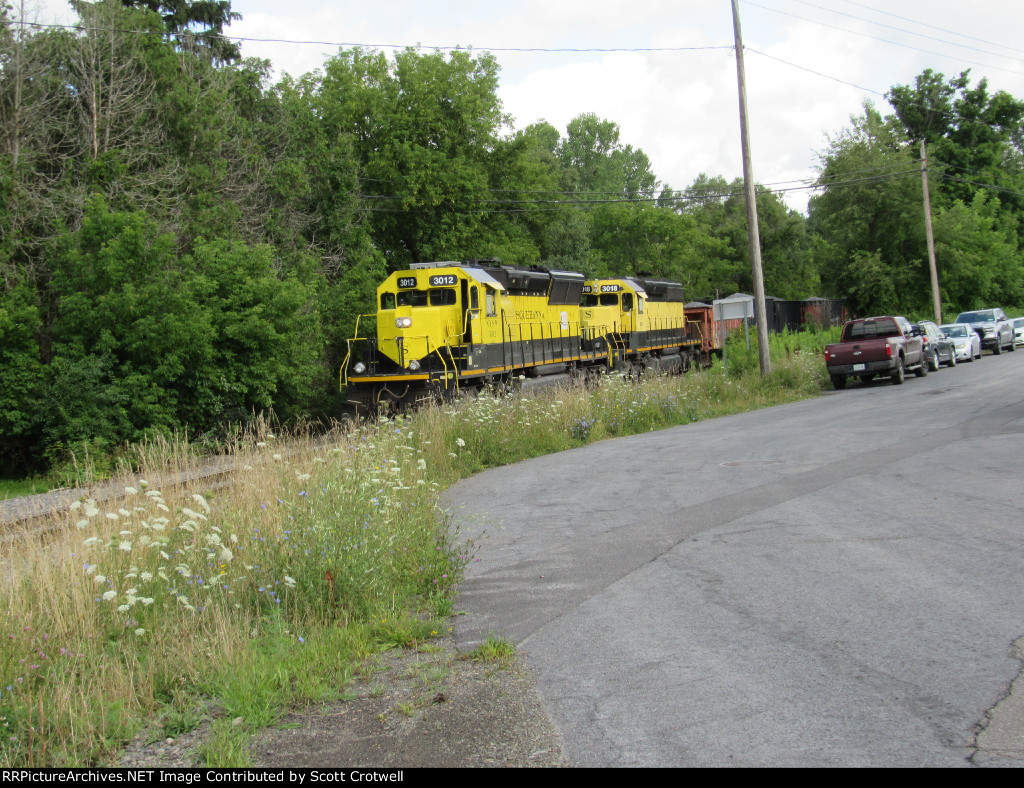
x=859, y=367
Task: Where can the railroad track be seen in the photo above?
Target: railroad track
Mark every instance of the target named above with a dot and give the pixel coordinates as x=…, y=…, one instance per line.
x=17, y=515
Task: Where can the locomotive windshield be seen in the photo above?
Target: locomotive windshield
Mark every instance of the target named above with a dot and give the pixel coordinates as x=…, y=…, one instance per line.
x=600, y=299
x=440, y=296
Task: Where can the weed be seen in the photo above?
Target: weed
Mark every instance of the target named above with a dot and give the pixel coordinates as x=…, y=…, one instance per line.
x=494, y=649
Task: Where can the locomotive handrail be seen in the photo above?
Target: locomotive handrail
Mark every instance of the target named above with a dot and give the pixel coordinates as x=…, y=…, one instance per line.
x=440, y=357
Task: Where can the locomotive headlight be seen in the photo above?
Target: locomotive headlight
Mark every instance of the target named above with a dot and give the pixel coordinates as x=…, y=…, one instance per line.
x=359, y=368
x=403, y=322
x=414, y=365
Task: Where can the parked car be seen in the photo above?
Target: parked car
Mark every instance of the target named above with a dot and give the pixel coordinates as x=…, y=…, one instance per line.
x=876, y=346
x=937, y=347
x=1018, y=331
x=993, y=327
x=965, y=340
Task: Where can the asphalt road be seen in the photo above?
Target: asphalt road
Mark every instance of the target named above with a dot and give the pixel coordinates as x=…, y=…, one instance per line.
x=837, y=582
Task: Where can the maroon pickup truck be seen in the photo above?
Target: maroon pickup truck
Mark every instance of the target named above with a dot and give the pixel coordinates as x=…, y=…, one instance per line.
x=876, y=346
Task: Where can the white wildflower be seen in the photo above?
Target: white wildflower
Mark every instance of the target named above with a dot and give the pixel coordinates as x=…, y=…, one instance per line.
x=460, y=443
x=131, y=491
x=226, y=555
x=193, y=515
x=125, y=545
x=91, y=541
x=112, y=516
x=140, y=631
x=146, y=577
x=421, y=464
x=82, y=524
x=123, y=608
x=202, y=502
x=100, y=579
x=108, y=595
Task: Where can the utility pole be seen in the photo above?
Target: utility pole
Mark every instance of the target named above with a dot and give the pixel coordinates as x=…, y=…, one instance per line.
x=933, y=269
x=760, y=315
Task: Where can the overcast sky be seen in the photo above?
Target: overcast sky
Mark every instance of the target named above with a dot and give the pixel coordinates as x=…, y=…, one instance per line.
x=810, y=63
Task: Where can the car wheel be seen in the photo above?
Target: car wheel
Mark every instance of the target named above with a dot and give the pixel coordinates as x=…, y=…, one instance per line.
x=921, y=370
x=933, y=361
x=952, y=359
x=899, y=374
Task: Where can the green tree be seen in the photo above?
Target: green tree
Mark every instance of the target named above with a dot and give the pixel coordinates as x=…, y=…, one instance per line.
x=977, y=253
x=973, y=137
x=182, y=18
x=422, y=128
x=869, y=214
x=594, y=161
x=20, y=374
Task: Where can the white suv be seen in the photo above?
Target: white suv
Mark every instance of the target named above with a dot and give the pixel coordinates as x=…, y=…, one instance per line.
x=995, y=330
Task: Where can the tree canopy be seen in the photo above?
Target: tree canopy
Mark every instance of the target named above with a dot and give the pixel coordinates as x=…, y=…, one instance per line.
x=185, y=242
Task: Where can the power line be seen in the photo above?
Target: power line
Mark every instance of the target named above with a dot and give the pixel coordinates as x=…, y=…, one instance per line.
x=876, y=38
x=933, y=27
x=352, y=44
x=898, y=29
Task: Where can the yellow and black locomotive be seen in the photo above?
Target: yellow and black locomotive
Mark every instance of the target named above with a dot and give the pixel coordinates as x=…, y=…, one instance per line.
x=448, y=327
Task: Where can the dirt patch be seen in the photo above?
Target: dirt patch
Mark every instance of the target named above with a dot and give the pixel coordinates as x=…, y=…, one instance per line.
x=423, y=709
x=412, y=708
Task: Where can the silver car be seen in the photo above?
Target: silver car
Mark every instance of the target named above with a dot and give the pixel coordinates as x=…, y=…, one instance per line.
x=1018, y=331
x=965, y=340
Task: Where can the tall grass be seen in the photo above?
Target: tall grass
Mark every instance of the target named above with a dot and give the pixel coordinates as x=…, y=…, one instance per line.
x=173, y=606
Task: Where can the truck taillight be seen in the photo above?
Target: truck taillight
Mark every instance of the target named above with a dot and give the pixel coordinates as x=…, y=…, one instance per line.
x=888, y=350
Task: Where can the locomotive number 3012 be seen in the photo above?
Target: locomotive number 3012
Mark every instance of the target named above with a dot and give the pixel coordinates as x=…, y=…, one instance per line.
x=442, y=280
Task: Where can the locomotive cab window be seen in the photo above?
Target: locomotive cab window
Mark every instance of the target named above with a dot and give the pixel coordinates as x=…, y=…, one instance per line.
x=387, y=301
x=442, y=297
x=412, y=298
x=627, y=302
x=492, y=309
